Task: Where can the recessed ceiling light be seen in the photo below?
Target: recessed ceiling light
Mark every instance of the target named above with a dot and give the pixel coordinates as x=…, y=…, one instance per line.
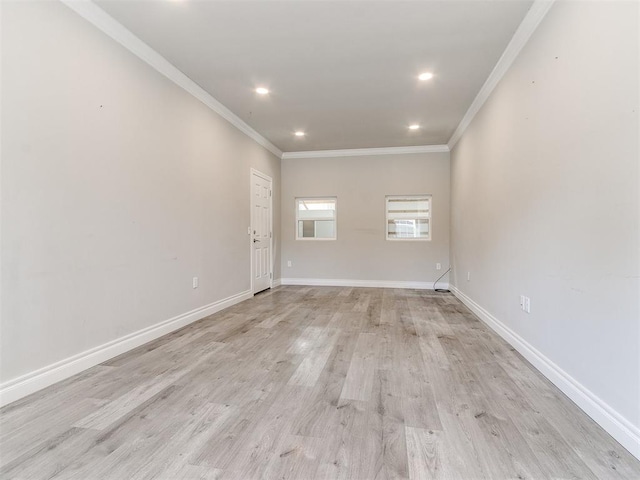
x=425, y=76
x=299, y=133
x=414, y=127
x=262, y=90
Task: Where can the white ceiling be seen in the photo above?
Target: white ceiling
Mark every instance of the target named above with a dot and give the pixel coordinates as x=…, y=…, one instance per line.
x=343, y=71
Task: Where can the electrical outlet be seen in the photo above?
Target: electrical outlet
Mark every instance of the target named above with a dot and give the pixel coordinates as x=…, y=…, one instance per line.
x=288, y=263
x=468, y=276
x=195, y=282
x=525, y=304
x=438, y=266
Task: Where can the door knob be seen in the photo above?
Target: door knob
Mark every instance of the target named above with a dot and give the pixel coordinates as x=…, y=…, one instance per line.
x=254, y=240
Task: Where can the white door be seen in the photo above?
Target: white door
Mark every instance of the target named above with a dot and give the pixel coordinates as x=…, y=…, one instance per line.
x=260, y=231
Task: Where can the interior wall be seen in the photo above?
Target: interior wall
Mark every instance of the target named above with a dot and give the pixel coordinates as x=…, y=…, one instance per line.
x=545, y=201
x=118, y=187
x=361, y=251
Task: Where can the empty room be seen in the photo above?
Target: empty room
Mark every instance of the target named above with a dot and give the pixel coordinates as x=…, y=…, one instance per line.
x=320, y=239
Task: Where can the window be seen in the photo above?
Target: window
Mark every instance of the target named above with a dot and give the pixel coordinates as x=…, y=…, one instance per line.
x=316, y=218
x=409, y=217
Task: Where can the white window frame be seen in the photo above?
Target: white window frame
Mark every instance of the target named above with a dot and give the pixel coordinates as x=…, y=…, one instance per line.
x=335, y=220
x=429, y=198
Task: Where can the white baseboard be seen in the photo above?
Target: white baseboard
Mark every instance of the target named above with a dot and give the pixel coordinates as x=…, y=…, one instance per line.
x=24, y=385
x=276, y=283
x=626, y=433
x=327, y=282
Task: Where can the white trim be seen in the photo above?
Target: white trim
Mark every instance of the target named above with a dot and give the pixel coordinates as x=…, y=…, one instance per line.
x=340, y=282
x=276, y=283
x=37, y=380
x=604, y=415
x=107, y=24
x=528, y=25
x=266, y=177
x=359, y=152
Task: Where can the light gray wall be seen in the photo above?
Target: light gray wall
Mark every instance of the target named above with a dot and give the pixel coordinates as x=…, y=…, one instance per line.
x=545, y=199
x=117, y=188
x=361, y=251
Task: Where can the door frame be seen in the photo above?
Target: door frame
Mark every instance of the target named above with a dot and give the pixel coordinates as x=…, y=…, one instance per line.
x=251, y=256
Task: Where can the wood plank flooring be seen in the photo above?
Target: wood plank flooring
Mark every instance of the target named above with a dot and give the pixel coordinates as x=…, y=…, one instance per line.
x=313, y=383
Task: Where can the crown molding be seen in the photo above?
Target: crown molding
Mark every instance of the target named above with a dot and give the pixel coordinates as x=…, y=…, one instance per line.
x=110, y=26
x=359, y=152
x=528, y=25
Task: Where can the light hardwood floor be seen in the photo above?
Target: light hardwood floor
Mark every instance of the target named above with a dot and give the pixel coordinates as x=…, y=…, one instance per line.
x=313, y=382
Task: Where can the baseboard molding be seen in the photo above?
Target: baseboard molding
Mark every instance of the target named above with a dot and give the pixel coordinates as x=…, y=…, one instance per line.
x=627, y=434
x=327, y=282
x=276, y=283
x=32, y=382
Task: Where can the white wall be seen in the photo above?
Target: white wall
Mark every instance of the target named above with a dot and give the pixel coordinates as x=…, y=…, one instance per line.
x=545, y=204
x=118, y=187
x=361, y=251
